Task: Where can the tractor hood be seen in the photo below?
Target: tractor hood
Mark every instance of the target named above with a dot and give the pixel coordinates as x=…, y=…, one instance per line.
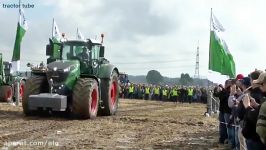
x=65, y=66
x=64, y=74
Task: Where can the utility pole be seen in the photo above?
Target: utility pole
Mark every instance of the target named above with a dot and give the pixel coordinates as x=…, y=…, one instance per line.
x=196, y=75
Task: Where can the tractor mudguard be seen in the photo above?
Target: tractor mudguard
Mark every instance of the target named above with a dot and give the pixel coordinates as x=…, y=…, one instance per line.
x=105, y=71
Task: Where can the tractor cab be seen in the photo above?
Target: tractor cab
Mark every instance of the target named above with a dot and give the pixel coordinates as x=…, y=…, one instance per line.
x=89, y=54
x=7, y=68
x=5, y=72
x=123, y=78
x=1, y=70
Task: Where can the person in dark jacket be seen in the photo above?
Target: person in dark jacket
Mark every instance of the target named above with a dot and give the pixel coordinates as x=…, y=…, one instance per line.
x=251, y=116
x=182, y=92
x=225, y=131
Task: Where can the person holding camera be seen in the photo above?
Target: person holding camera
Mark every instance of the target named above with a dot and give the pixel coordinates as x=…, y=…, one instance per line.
x=252, y=108
x=235, y=102
x=225, y=131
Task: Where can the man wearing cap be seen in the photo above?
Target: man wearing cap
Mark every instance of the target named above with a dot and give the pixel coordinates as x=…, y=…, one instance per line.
x=223, y=94
x=239, y=76
x=251, y=119
x=255, y=91
x=238, y=110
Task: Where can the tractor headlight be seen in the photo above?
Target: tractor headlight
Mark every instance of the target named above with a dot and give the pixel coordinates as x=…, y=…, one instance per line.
x=94, y=64
x=67, y=69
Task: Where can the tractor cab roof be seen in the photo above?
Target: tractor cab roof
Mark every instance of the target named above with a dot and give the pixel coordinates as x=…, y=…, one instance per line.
x=94, y=42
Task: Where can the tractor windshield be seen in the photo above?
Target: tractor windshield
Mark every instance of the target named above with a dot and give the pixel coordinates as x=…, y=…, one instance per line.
x=95, y=51
x=74, y=51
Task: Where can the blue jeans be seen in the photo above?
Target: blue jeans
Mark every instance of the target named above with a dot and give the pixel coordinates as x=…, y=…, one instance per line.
x=222, y=129
x=237, y=144
x=230, y=130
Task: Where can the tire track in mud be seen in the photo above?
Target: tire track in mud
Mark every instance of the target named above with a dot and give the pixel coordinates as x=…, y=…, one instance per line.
x=32, y=130
x=138, y=124
x=145, y=107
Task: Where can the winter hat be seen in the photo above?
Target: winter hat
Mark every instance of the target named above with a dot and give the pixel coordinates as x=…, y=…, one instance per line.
x=261, y=79
x=255, y=74
x=246, y=81
x=239, y=76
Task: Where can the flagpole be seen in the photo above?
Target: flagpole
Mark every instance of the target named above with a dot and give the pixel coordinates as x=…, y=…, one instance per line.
x=210, y=42
x=77, y=32
x=52, y=28
x=211, y=20
x=19, y=11
x=209, y=97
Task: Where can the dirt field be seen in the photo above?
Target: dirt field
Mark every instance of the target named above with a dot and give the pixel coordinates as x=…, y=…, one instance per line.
x=138, y=124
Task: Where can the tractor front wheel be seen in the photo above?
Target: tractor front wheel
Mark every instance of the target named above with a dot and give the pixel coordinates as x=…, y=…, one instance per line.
x=85, y=98
x=109, y=94
x=34, y=85
x=21, y=89
x=6, y=93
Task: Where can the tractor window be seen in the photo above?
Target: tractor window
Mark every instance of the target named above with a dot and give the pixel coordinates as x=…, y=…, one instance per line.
x=70, y=51
x=66, y=52
x=95, y=51
x=7, y=67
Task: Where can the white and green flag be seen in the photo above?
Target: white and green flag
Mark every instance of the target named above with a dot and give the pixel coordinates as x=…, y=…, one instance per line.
x=21, y=30
x=220, y=58
x=80, y=35
x=56, y=36
x=56, y=40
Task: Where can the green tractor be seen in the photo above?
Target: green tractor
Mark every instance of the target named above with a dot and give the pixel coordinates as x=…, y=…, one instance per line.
x=7, y=82
x=78, y=80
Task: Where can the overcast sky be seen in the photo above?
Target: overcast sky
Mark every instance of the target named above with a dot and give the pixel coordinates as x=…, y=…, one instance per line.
x=141, y=35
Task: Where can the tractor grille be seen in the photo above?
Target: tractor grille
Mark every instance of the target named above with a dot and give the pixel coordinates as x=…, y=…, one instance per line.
x=59, y=76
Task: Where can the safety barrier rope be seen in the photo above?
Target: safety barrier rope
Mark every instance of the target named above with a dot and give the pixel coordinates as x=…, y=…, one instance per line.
x=233, y=125
x=229, y=124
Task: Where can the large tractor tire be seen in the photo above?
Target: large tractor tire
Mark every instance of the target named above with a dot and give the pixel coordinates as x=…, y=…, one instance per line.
x=34, y=85
x=22, y=89
x=6, y=93
x=110, y=94
x=85, y=98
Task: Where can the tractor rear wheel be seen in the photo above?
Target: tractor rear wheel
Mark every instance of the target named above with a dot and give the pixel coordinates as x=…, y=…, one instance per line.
x=6, y=93
x=85, y=98
x=109, y=94
x=34, y=85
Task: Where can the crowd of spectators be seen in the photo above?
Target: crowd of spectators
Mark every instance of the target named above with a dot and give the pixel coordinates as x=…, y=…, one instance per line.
x=242, y=111
x=164, y=92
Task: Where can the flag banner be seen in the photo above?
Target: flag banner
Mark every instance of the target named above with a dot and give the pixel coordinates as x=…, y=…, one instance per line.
x=56, y=40
x=80, y=35
x=220, y=58
x=216, y=24
x=56, y=36
x=21, y=30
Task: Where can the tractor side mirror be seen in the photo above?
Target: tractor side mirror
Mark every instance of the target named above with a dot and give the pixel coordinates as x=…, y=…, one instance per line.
x=101, y=51
x=48, y=50
x=29, y=65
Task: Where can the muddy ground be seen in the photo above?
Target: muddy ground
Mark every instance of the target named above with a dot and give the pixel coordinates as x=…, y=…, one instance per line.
x=138, y=124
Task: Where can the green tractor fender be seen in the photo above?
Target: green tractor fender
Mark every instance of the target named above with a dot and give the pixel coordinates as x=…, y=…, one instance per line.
x=105, y=71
